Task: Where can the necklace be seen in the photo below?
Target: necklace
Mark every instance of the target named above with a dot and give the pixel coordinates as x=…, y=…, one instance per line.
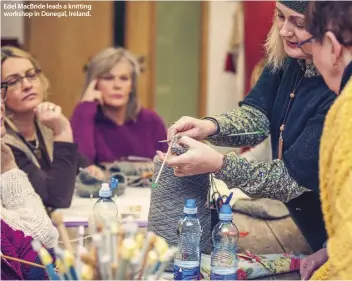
x=282, y=127
x=35, y=148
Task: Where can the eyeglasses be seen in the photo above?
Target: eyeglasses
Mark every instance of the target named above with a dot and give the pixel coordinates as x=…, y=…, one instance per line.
x=15, y=81
x=3, y=91
x=303, y=45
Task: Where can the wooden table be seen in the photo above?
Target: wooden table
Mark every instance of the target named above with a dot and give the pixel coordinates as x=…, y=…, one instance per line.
x=265, y=237
x=271, y=237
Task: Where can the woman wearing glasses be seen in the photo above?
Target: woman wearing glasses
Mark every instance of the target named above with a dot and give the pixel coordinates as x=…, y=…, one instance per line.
x=39, y=135
x=21, y=208
x=330, y=23
x=289, y=102
x=109, y=123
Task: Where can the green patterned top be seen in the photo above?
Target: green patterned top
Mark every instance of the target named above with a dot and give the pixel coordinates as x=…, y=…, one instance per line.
x=256, y=179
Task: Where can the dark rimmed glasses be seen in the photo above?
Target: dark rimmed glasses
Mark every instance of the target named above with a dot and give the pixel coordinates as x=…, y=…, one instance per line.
x=15, y=81
x=305, y=45
x=3, y=91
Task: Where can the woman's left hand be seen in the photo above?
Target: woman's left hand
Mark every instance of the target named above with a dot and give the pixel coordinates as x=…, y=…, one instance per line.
x=311, y=263
x=51, y=116
x=95, y=171
x=199, y=159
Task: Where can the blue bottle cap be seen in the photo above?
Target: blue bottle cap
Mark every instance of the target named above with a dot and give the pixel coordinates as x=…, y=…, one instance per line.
x=190, y=207
x=225, y=213
x=113, y=183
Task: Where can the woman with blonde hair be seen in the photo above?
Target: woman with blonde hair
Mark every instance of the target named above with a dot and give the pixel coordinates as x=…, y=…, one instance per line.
x=109, y=123
x=39, y=135
x=21, y=208
x=289, y=102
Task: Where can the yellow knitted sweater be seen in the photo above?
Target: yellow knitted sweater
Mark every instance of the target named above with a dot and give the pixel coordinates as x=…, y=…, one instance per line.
x=336, y=188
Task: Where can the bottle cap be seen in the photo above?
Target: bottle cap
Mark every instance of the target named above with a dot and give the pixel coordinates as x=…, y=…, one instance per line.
x=225, y=213
x=190, y=207
x=114, y=182
x=105, y=191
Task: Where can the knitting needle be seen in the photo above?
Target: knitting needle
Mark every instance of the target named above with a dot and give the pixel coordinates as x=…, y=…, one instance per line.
x=87, y=272
x=62, y=273
x=69, y=263
x=151, y=238
x=137, y=253
x=46, y=259
x=113, y=253
x=58, y=221
x=155, y=183
x=127, y=249
x=80, y=247
x=60, y=256
x=5, y=257
x=231, y=135
x=99, y=254
x=169, y=255
x=151, y=261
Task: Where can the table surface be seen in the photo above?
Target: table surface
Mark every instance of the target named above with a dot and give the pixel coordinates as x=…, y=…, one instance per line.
x=274, y=236
x=82, y=208
x=265, y=236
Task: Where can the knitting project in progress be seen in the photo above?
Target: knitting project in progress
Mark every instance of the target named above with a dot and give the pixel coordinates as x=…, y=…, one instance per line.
x=168, y=199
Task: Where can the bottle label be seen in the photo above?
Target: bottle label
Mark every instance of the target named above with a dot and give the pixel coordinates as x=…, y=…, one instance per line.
x=182, y=273
x=214, y=276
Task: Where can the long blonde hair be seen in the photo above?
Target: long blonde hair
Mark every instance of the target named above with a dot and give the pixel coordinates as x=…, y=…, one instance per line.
x=13, y=52
x=275, y=52
x=257, y=71
x=103, y=62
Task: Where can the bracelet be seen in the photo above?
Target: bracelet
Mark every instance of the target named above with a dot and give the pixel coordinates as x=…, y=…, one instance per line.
x=224, y=161
x=216, y=124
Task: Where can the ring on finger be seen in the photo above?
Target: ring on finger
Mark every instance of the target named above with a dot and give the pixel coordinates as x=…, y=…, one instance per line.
x=177, y=169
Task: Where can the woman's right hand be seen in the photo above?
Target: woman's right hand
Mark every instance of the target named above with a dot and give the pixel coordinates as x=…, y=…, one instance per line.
x=92, y=94
x=311, y=263
x=194, y=128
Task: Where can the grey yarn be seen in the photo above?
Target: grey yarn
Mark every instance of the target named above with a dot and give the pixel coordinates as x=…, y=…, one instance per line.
x=167, y=202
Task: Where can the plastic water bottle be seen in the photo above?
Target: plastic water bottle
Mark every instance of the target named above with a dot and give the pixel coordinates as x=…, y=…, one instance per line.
x=189, y=230
x=105, y=209
x=224, y=258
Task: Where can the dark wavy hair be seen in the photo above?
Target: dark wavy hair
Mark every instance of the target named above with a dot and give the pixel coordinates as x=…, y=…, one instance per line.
x=334, y=16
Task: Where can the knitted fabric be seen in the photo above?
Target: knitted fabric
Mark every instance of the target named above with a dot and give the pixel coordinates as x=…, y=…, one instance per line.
x=15, y=244
x=297, y=6
x=335, y=184
x=22, y=209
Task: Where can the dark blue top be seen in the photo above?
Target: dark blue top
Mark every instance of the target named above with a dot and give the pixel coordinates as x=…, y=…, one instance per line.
x=303, y=130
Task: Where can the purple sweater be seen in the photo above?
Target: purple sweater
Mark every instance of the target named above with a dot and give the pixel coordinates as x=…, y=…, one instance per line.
x=100, y=139
x=15, y=244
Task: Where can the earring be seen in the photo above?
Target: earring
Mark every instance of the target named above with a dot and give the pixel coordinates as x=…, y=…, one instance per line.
x=335, y=65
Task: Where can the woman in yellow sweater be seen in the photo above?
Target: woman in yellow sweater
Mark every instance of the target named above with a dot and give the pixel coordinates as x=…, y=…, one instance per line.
x=330, y=24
